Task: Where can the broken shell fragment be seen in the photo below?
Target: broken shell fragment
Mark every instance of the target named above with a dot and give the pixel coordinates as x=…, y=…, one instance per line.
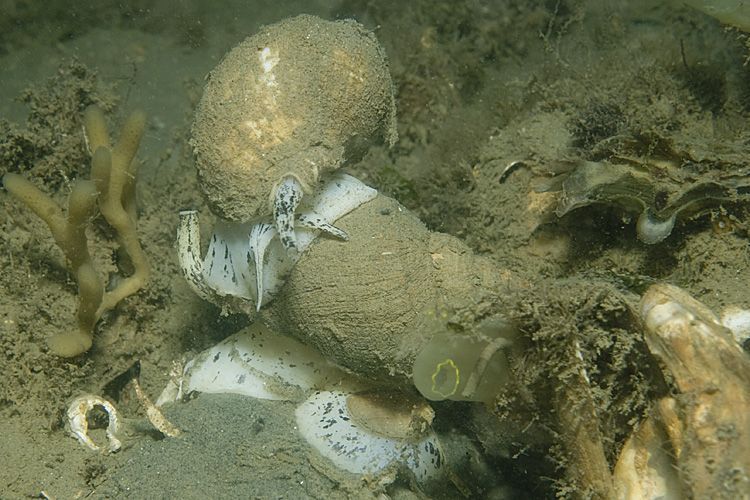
x=154, y=413
x=670, y=314
x=368, y=435
x=645, y=468
x=738, y=322
x=78, y=425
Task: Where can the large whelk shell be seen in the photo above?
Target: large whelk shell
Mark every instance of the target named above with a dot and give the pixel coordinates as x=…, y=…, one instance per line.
x=296, y=100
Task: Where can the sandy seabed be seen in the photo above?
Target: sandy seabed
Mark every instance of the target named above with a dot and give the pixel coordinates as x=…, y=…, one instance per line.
x=495, y=101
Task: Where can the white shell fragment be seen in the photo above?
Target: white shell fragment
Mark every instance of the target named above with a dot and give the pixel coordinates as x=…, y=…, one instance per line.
x=258, y=363
x=248, y=260
x=328, y=425
x=645, y=468
x=738, y=322
x=78, y=424
x=154, y=413
x=671, y=312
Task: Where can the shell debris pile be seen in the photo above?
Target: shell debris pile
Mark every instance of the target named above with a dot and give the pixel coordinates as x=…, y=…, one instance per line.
x=696, y=444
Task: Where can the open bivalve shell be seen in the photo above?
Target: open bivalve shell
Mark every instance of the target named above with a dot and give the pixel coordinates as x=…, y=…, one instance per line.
x=657, y=196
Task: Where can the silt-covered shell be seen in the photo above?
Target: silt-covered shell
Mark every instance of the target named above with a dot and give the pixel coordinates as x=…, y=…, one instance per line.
x=299, y=98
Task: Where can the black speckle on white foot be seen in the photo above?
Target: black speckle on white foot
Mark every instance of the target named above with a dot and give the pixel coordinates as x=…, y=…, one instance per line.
x=287, y=198
x=313, y=220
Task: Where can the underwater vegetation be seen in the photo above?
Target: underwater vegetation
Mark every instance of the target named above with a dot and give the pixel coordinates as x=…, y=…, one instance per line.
x=111, y=192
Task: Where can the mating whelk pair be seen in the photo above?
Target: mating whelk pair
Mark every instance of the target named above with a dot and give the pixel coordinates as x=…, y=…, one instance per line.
x=279, y=115
x=385, y=303
x=292, y=104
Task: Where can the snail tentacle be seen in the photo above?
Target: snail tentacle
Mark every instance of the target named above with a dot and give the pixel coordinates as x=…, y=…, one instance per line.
x=260, y=237
x=286, y=199
x=314, y=220
x=189, y=253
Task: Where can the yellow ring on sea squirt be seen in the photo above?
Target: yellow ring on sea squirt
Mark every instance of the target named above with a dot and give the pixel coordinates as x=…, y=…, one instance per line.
x=466, y=366
x=438, y=374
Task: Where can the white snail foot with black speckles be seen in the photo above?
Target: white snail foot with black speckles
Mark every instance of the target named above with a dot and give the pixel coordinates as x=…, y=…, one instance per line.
x=285, y=202
x=258, y=363
x=358, y=428
x=251, y=260
x=326, y=421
